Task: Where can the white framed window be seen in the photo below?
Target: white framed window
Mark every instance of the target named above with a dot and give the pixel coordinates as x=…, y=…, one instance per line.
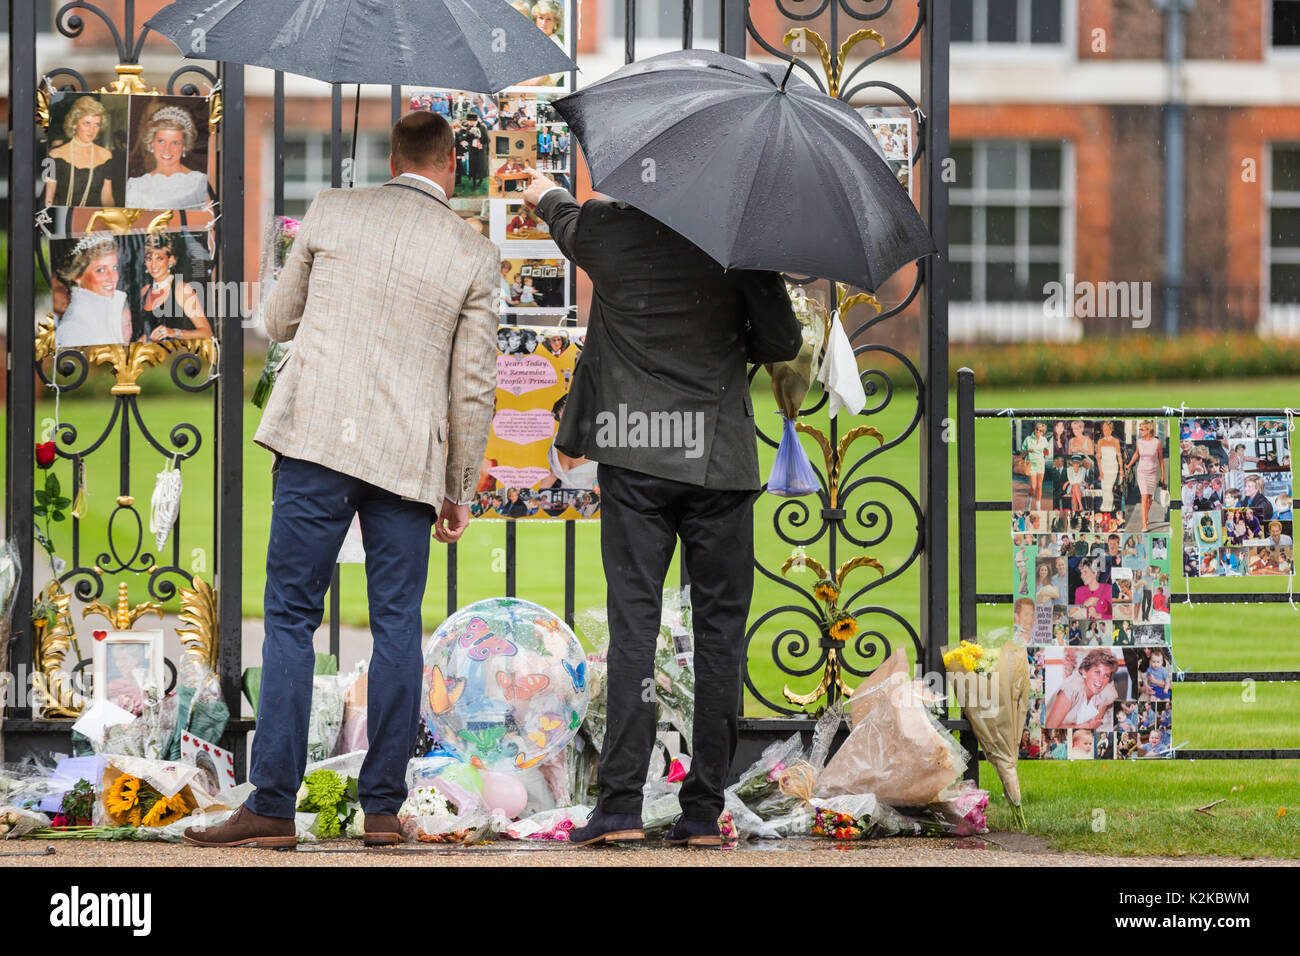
x=307, y=166
x=1012, y=28
x=659, y=25
x=1281, y=313
x=1010, y=233
x=1283, y=24
x=1009, y=21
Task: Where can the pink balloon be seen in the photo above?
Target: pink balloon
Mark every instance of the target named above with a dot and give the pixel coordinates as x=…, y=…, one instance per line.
x=504, y=792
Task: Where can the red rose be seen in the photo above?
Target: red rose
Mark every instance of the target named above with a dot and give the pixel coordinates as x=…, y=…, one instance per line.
x=45, y=454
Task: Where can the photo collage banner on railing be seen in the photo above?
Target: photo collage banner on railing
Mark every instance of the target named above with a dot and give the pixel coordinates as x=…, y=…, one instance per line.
x=1091, y=586
x=498, y=138
x=1236, y=496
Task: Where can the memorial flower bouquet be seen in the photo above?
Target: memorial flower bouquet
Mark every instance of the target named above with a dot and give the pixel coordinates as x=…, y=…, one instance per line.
x=275, y=251
x=991, y=682
x=333, y=798
x=130, y=801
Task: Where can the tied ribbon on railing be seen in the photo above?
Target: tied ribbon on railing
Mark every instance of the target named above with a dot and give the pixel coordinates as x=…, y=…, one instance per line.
x=1181, y=411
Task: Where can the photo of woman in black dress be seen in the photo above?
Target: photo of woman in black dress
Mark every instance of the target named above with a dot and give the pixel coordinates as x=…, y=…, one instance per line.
x=82, y=170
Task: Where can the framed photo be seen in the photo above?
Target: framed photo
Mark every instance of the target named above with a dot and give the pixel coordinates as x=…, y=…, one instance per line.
x=124, y=663
x=526, y=270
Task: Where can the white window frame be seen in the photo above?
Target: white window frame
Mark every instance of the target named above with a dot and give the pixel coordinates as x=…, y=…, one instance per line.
x=1279, y=319
x=1272, y=52
x=1066, y=49
x=318, y=164
x=647, y=46
x=1013, y=321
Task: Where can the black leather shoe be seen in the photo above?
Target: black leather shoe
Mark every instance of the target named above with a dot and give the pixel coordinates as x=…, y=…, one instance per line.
x=603, y=828
x=687, y=832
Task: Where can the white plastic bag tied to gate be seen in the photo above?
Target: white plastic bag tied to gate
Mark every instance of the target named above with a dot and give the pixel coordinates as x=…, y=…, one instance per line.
x=839, y=372
x=166, y=504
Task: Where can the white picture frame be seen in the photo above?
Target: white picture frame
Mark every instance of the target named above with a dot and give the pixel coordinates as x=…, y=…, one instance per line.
x=123, y=662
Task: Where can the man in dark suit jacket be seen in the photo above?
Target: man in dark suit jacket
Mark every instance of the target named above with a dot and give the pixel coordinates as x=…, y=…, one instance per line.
x=660, y=398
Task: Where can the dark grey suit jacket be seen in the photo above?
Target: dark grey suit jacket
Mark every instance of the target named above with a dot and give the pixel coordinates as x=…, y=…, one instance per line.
x=661, y=387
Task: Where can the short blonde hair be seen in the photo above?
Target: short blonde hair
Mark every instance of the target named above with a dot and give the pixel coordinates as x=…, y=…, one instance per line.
x=82, y=107
x=551, y=7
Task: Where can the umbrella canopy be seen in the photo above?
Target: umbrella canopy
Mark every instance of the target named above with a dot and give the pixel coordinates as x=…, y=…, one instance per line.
x=481, y=46
x=758, y=174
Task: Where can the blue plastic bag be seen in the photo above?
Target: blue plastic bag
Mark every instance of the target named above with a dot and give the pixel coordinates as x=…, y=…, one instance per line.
x=792, y=473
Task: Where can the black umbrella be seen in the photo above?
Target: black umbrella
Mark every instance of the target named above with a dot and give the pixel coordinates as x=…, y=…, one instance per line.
x=481, y=46
x=757, y=173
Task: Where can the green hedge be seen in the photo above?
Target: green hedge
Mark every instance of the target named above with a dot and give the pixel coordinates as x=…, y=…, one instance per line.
x=1128, y=359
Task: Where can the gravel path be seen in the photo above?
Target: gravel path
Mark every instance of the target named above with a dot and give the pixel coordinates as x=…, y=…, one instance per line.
x=997, y=849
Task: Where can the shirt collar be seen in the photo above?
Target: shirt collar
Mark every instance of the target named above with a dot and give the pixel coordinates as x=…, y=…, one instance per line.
x=426, y=179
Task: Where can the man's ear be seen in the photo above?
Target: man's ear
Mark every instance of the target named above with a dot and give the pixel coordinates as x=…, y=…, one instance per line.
x=392, y=165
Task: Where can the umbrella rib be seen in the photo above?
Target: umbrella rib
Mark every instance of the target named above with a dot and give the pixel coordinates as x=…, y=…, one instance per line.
x=749, y=195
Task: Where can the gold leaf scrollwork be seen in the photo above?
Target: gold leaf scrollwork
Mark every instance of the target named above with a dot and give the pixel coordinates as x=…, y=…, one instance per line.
x=124, y=616
x=802, y=561
x=833, y=69
x=45, y=336
x=199, y=614
x=127, y=361
x=215, y=112
x=42, y=107
x=128, y=81
x=51, y=693
x=117, y=221
x=834, y=458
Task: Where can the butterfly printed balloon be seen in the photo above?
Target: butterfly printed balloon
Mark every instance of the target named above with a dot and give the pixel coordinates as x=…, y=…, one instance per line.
x=504, y=684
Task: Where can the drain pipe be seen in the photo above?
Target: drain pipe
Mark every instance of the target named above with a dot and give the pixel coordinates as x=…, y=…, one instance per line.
x=1175, y=111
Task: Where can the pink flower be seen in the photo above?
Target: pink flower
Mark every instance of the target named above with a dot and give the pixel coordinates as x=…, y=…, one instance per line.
x=290, y=227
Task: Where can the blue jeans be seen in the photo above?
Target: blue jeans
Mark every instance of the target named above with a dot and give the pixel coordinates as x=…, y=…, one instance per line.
x=313, y=509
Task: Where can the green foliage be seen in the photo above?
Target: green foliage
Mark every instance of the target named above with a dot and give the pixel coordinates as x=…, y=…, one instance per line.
x=1134, y=358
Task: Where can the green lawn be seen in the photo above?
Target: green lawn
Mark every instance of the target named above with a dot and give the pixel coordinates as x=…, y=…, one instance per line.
x=1149, y=808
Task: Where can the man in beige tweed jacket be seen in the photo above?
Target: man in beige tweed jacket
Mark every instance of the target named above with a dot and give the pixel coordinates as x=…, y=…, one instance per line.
x=382, y=409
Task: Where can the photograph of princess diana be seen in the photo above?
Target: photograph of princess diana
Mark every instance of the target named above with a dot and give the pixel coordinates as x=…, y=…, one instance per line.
x=111, y=290
x=168, y=158
x=86, y=149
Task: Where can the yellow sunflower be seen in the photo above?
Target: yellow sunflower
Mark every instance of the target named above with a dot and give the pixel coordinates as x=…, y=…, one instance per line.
x=826, y=591
x=123, y=794
x=154, y=817
x=842, y=628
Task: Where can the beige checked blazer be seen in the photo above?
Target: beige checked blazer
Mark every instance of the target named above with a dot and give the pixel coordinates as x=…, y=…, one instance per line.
x=389, y=298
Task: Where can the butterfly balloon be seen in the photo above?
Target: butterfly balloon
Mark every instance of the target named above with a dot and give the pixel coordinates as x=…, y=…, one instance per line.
x=504, y=685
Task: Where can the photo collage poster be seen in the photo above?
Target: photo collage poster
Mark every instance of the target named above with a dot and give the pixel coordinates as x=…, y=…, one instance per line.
x=498, y=138
x=1236, y=497
x=128, y=215
x=524, y=475
x=1091, y=594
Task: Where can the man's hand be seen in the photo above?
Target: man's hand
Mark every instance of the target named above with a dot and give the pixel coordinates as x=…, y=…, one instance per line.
x=452, y=521
x=536, y=187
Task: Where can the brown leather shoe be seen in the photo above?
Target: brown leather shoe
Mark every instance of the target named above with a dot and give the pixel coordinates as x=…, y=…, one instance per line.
x=382, y=829
x=246, y=828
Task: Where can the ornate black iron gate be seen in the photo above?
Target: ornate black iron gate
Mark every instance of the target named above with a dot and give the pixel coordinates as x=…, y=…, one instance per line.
x=847, y=517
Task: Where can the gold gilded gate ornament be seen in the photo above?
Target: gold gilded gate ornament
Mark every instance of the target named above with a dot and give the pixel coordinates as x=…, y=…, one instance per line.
x=834, y=69
x=838, y=624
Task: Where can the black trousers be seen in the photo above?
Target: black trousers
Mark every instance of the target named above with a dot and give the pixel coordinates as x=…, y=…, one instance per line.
x=641, y=518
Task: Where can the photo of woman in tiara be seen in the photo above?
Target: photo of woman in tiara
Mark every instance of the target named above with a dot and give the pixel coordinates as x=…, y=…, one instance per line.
x=168, y=143
x=96, y=313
